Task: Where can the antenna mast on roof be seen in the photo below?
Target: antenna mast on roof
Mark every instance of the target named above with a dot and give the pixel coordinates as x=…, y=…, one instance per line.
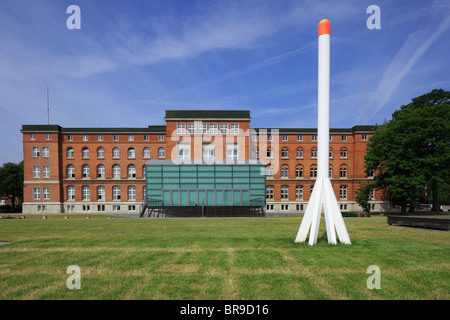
x=364, y=106
x=48, y=109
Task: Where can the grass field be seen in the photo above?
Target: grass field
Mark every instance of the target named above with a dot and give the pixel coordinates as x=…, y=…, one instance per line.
x=254, y=258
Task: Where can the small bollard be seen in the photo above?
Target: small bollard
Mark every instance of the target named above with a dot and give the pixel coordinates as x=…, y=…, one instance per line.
x=44, y=217
x=66, y=217
x=22, y=217
x=88, y=217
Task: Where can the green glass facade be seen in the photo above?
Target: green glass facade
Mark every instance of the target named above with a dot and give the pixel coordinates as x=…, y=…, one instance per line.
x=191, y=184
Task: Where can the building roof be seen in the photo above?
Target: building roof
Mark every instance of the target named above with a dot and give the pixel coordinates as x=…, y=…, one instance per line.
x=26, y=128
x=208, y=114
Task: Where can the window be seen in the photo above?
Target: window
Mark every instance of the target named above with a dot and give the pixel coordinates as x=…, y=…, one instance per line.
x=36, y=152
x=269, y=153
x=284, y=138
x=146, y=153
x=299, y=138
x=116, y=153
x=115, y=138
x=36, y=193
x=184, y=151
x=101, y=171
x=343, y=138
x=202, y=128
x=181, y=128
x=161, y=153
x=70, y=171
x=232, y=151
x=70, y=153
x=364, y=137
x=331, y=138
x=343, y=192
x=285, y=207
x=85, y=153
x=342, y=172
x=100, y=138
x=32, y=136
x=45, y=152
x=116, y=208
x=314, y=138
x=254, y=137
x=269, y=172
x=86, y=207
x=191, y=128
x=100, y=207
x=330, y=154
x=45, y=172
x=299, y=153
x=343, y=153
x=160, y=138
x=101, y=193
x=299, y=172
x=131, y=171
x=100, y=152
x=224, y=128
x=86, y=193
x=284, y=172
x=269, y=192
x=234, y=128
x=131, y=208
x=36, y=172
x=213, y=128
x=284, y=192
x=298, y=192
x=146, y=138
x=46, y=193
x=48, y=137
x=86, y=171
x=85, y=138
x=330, y=172
x=208, y=151
x=116, y=171
x=131, y=193
x=116, y=193
x=69, y=138
x=269, y=138
x=284, y=153
x=131, y=153
x=299, y=207
x=313, y=172
x=70, y=193
x=130, y=138
x=313, y=153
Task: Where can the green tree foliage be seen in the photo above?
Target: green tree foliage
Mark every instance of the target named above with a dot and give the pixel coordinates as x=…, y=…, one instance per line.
x=363, y=195
x=11, y=182
x=413, y=149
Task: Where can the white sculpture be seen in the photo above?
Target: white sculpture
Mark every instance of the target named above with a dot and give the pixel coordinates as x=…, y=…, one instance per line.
x=323, y=194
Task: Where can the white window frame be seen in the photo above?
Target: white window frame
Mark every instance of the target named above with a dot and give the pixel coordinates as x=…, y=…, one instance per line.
x=234, y=128
x=45, y=152
x=86, y=190
x=131, y=193
x=116, y=192
x=36, y=172
x=223, y=128
x=181, y=128
x=45, y=171
x=213, y=128
x=70, y=193
x=36, y=152
x=45, y=193
x=36, y=194
x=202, y=128
x=191, y=128
x=101, y=193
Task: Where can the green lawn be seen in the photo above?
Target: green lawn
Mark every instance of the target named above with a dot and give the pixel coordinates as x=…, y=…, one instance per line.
x=255, y=258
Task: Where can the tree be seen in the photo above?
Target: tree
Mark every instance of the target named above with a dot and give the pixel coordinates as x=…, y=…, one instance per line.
x=11, y=182
x=363, y=195
x=412, y=149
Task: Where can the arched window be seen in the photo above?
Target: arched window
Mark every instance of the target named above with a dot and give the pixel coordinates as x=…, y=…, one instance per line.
x=343, y=172
x=343, y=153
x=284, y=153
x=146, y=153
x=161, y=153
x=330, y=172
x=284, y=172
x=269, y=172
x=299, y=153
x=85, y=153
x=298, y=192
x=131, y=193
x=131, y=153
x=70, y=171
x=330, y=154
x=313, y=153
x=116, y=193
x=299, y=172
x=284, y=192
x=313, y=172
x=131, y=171
x=116, y=153
x=101, y=193
x=100, y=171
x=116, y=171
x=70, y=193
x=86, y=171
x=70, y=153
x=100, y=152
x=86, y=193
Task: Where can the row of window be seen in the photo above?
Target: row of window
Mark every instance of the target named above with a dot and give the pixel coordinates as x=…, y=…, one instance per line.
x=299, y=153
x=299, y=192
x=101, y=172
x=86, y=193
x=99, y=137
x=70, y=153
x=299, y=172
x=300, y=138
x=225, y=128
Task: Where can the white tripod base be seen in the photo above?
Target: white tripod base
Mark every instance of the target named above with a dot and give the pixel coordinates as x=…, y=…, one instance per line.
x=323, y=195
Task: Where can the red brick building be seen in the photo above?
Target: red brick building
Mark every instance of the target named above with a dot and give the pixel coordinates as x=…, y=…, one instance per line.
x=102, y=169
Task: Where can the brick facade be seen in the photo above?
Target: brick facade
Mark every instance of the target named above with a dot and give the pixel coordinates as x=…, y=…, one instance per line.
x=84, y=169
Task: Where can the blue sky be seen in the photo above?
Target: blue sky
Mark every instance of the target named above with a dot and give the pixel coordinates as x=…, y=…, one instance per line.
x=132, y=60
